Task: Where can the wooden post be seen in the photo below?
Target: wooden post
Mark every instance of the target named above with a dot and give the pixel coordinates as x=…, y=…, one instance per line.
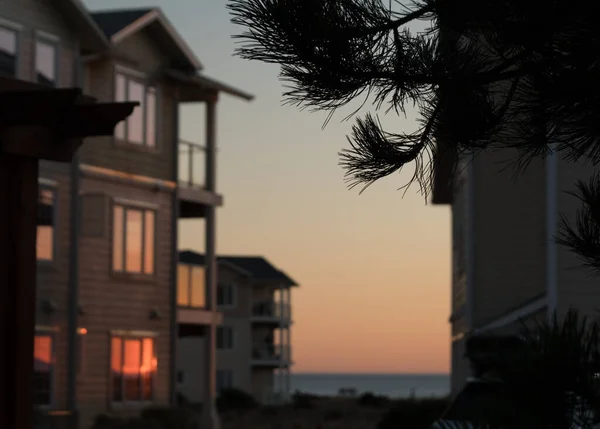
x=18, y=225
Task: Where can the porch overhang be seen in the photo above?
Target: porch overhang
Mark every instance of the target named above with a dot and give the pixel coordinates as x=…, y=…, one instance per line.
x=197, y=88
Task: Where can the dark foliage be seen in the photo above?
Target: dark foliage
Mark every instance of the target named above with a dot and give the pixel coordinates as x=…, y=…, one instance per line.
x=369, y=399
x=235, y=400
x=548, y=380
x=303, y=400
x=172, y=417
x=416, y=414
x=486, y=74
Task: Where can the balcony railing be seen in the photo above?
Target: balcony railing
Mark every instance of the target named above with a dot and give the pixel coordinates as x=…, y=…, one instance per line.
x=271, y=353
x=271, y=310
x=192, y=164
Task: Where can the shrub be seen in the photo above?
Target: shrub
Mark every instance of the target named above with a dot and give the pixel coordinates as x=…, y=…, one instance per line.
x=303, y=400
x=416, y=414
x=103, y=421
x=235, y=399
x=369, y=399
x=172, y=417
x=333, y=414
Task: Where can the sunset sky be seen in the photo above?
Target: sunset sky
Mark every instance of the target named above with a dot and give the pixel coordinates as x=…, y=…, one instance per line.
x=374, y=269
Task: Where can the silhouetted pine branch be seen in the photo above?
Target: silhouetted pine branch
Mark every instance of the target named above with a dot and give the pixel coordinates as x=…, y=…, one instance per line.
x=486, y=74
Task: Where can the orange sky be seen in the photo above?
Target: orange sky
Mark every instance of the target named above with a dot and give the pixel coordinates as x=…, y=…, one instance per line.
x=374, y=269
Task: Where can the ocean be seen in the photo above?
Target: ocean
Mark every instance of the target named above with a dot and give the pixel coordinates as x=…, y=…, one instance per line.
x=391, y=385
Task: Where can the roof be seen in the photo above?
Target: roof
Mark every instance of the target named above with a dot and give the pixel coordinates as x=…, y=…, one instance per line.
x=113, y=21
x=257, y=266
x=118, y=24
x=206, y=83
x=92, y=38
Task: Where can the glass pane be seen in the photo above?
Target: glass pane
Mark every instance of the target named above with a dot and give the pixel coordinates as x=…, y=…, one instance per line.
x=183, y=285
x=45, y=63
x=135, y=127
x=149, y=225
x=116, y=366
x=184, y=164
x=42, y=369
x=133, y=229
x=120, y=95
x=118, y=238
x=148, y=368
x=198, y=287
x=45, y=225
x=220, y=298
x=131, y=369
x=151, y=117
x=8, y=52
x=198, y=166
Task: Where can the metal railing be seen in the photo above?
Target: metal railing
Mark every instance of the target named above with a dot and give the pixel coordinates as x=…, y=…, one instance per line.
x=192, y=164
x=271, y=352
x=272, y=310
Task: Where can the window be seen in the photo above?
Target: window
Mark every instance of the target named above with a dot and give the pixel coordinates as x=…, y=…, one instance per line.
x=226, y=295
x=224, y=379
x=224, y=337
x=8, y=51
x=46, y=62
x=133, y=240
x=133, y=369
x=45, y=224
x=140, y=127
x=191, y=287
x=43, y=369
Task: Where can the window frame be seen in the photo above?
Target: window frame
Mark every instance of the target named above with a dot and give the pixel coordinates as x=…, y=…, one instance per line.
x=123, y=336
x=143, y=208
x=17, y=29
x=190, y=282
x=234, y=297
x=224, y=371
x=52, y=333
x=50, y=40
x=233, y=338
x=51, y=185
x=140, y=78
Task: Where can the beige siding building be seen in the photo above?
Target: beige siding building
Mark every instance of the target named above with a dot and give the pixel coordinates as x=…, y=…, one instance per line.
x=253, y=340
x=107, y=319
x=506, y=267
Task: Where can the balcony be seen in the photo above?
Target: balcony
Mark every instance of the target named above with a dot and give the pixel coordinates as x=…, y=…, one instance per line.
x=193, y=195
x=271, y=312
x=191, y=297
x=271, y=355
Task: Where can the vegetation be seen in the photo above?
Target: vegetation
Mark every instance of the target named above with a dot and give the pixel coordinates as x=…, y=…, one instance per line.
x=485, y=74
x=235, y=400
x=303, y=400
x=369, y=399
x=416, y=414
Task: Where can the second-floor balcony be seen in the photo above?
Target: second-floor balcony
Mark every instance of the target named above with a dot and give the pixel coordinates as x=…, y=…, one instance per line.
x=193, y=193
x=191, y=297
x=271, y=355
x=272, y=312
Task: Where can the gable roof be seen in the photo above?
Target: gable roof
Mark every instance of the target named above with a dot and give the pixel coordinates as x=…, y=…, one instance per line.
x=118, y=24
x=113, y=21
x=257, y=266
x=91, y=36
